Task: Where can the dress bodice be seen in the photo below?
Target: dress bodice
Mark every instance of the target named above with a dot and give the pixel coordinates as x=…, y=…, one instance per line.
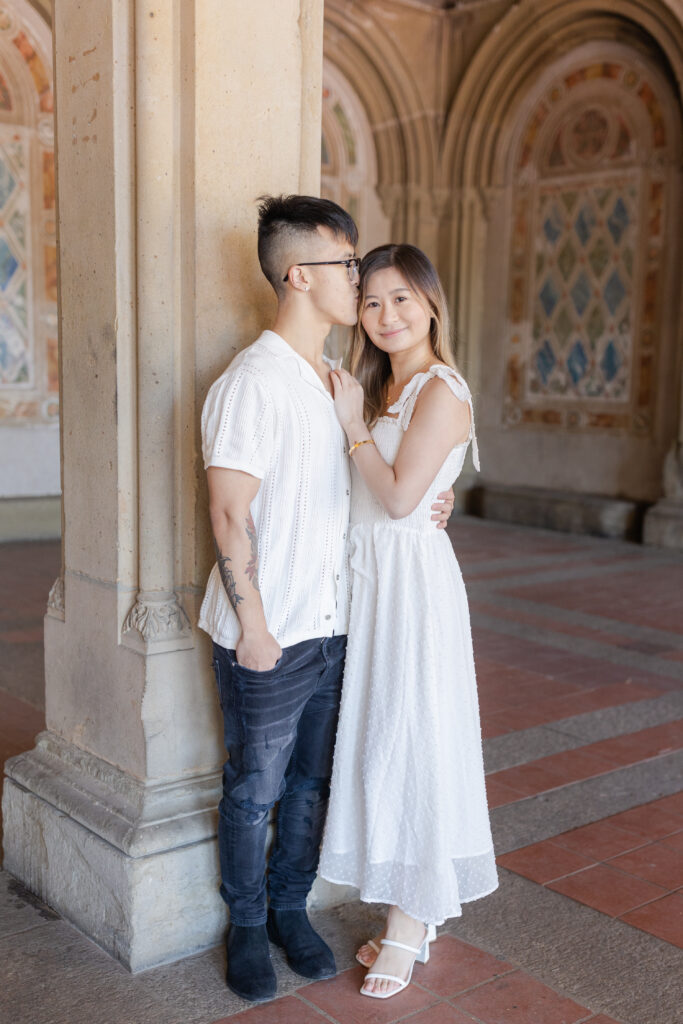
x=387, y=433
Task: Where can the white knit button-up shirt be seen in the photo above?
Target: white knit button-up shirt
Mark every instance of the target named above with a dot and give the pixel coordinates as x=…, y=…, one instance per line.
x=269, y=415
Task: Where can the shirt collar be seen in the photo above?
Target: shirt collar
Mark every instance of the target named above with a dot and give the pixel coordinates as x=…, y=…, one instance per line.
x=281, y=348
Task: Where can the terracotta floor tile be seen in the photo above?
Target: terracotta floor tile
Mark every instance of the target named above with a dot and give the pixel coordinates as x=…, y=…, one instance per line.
x=455, y=966
x=543, y=862
x=520, y=999
x=663, y=918
x=673, y=842
x=599, y=840
x=341, y=999
x=287, y=1010
x=646, y=821
x=639, y=746
x=442, y=1013
x=606, y=889
x=528, y=778
x=671, y=804
x=526, y=716
x=573, y=765
x=602, y=1019
x=491, y=728
x=642, y=597
x=498, y=794
x=655, y=863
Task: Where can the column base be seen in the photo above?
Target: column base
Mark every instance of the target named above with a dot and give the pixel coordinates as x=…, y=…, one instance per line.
x=664, y=524
x=134, y=867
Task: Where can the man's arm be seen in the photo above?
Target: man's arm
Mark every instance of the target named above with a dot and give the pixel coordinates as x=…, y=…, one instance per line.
x=231, y=493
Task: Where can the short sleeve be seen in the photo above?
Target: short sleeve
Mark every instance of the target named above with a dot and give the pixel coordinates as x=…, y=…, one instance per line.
x=238, y=428
x=405, y=406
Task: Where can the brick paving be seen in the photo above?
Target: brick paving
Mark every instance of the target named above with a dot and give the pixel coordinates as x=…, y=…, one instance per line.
x=579, y=648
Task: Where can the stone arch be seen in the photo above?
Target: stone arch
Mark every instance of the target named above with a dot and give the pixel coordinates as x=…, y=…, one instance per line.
x=524, y=42
x=404, y=139
x=533, y=80
x=28, y=257
x=349, y=158
x=349, y=171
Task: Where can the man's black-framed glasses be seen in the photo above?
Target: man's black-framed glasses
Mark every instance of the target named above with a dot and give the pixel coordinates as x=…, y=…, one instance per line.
x=352, y=266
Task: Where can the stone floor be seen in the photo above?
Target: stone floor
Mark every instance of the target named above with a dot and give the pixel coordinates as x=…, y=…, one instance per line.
x=579, y=646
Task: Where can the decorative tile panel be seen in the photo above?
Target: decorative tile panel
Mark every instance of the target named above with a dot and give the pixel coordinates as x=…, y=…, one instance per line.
x=16, y=362
x=585, y=254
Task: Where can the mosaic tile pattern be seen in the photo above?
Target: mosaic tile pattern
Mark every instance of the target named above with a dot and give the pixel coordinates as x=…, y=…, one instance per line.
x=28, y=266
x=15, y=350
x=582, y=315
x=585, y=258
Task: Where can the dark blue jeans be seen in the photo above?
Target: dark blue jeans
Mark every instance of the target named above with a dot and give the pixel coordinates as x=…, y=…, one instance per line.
x=279, y=729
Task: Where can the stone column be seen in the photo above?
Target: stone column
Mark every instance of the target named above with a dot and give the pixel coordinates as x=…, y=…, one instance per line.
x=664, y=521
x=172, y=118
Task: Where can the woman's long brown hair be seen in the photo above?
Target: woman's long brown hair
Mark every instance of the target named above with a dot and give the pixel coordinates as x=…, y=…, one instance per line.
x=369, y=364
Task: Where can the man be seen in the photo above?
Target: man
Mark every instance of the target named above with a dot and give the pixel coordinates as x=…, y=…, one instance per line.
x=276, y=604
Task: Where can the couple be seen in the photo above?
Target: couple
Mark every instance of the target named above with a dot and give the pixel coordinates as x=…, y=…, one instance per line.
x=321, y=492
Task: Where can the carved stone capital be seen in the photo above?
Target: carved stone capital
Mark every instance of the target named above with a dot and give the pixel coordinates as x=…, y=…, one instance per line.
x=442, y=202
x=157, y=624
x=55, y=600
x=390, y=197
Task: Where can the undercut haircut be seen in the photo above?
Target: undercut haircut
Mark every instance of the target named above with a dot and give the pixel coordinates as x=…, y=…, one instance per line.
x=283, y=220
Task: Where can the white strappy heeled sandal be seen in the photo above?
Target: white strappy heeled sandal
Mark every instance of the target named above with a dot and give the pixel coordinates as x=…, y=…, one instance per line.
x=421, y=956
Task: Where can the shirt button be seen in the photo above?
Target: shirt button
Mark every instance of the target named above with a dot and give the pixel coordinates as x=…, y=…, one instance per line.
x=328, y=616
x=337, y=576
x=348, y=492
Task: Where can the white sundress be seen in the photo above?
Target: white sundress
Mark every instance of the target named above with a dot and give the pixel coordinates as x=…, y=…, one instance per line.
x=408, y=820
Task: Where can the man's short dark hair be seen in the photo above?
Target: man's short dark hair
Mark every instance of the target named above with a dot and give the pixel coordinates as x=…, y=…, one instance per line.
x=281, y=218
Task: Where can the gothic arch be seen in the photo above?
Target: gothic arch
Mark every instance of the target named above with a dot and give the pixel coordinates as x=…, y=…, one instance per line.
x=526, y=40
x=404, y=140
x=28, y=256
x=601, y=417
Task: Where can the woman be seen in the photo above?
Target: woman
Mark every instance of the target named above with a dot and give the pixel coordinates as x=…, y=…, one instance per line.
x=408, y=821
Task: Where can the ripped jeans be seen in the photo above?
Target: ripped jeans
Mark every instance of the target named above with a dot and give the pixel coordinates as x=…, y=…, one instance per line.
x=279, y=729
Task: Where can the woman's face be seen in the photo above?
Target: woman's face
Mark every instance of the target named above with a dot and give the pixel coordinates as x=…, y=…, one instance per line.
x=395, y=317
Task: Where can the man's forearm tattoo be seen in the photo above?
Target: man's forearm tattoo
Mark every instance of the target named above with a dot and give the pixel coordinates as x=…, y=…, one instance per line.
x=252, y=564
x=227, y=577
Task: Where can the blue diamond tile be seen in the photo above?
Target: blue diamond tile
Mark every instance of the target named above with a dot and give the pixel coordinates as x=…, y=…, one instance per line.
x=577, y=362
x=618, y=220
x=552, y=225
x=8, y=264
x=7, y=184
x=549, y=296
x=545, y=361
x=584, y=224
x=610, y=362
x=614, y=292
x=581, y=293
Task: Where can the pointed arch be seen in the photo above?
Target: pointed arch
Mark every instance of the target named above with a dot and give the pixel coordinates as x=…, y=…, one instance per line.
x=525, y=41
x=405, y=140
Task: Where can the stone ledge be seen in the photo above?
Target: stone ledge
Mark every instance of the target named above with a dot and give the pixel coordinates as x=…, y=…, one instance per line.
x=30, y=519
x=567, y=511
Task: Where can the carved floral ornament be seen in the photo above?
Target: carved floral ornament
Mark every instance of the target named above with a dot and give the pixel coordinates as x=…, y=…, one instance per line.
x=588, y=231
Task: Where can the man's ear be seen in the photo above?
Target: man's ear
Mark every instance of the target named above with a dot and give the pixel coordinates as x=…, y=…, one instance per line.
x=298, y=279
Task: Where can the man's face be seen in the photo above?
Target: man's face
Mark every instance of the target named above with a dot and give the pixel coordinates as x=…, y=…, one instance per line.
x=332, y=292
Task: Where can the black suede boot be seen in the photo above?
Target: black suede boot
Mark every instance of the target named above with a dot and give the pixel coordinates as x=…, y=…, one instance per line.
x=306, y=952
x=250, y=972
